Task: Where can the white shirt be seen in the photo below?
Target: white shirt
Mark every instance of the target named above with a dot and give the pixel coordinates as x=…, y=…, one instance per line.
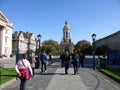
x=20, y=65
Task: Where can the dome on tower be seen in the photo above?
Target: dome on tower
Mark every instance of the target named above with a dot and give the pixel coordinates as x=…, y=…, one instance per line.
x=66, y=27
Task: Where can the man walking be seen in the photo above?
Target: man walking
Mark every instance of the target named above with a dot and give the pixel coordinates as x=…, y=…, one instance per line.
x=43, y=58
x=75, y=62
x=81, y=62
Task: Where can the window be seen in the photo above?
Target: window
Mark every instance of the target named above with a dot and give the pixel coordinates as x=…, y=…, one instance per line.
x=6, y=31
x=66, y=35
x=6, y=39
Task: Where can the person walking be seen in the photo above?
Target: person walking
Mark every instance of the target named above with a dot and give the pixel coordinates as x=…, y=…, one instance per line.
x=75, y=62
x=62, y=57
x=71, y=60
x=21, y=66
x=81, y=62
x=33, y=61
x=43, y=58
x=66, y=61
x=50, y=58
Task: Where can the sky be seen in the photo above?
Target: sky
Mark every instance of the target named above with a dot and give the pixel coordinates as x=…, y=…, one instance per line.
x=47, y=17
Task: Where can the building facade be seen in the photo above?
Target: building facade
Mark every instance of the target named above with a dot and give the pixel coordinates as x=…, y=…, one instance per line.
x=6, y=28
x=22, y=42
x=66, y=43
x=112, y=41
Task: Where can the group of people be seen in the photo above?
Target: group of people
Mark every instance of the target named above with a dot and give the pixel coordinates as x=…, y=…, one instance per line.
x=29, y=64
x=76, y=59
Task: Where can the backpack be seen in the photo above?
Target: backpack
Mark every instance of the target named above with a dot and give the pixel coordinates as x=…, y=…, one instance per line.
x=75, y=58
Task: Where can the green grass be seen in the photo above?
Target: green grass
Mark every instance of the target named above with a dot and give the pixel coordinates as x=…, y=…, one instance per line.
x=7, y=74
x=114, y=74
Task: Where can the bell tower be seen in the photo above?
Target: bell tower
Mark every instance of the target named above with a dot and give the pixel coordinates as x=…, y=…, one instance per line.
x=66, y=43
x=66, y=33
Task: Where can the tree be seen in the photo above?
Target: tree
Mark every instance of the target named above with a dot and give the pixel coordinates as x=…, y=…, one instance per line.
x=50, y=46
x=102, y=50
x=83, y=46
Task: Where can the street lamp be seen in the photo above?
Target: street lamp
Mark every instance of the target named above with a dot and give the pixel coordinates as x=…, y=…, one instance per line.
x=28, y=52
x=39, y=39
x=93, y=52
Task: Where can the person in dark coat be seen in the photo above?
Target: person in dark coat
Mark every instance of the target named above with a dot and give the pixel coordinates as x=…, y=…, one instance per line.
x=50, y=58
x=66, y=61
x=81, y=62
x=43, y=58
x=62, y=57
x=75, y=62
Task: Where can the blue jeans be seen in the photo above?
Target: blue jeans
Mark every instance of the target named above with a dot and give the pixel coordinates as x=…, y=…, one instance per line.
x=23, y=84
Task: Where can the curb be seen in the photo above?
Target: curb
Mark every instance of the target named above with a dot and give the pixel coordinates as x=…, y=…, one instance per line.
x=110, y=76
x=7, y=83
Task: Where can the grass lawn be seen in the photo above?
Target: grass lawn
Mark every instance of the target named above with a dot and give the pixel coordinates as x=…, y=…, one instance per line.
x=7, y=74
x=113, y=74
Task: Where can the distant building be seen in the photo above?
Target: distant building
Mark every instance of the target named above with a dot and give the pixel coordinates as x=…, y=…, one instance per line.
x=6, y=28
x=66, y=43
x=112, y=41
x=22, y=42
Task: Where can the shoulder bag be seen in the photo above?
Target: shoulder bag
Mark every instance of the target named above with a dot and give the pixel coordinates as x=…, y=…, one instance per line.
x=25, y=75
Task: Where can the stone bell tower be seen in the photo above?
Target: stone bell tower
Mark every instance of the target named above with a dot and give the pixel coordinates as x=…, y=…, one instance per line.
x=66, y=43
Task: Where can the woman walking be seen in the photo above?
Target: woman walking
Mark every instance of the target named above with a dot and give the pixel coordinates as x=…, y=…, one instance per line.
x=66, y=61
x=21, y=66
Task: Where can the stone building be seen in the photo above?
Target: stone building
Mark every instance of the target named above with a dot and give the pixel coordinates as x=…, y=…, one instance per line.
x=66, y=43
x=6, y=28
x=22, y=42
x=112, y=41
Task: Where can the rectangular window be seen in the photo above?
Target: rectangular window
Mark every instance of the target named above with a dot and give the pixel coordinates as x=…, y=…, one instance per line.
x=66, y=35
x=6, y=39
x=6, y=31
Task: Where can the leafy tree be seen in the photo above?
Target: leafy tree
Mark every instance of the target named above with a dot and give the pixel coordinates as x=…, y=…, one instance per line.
x=83, y=46
x=50, y=46
x=102, y=50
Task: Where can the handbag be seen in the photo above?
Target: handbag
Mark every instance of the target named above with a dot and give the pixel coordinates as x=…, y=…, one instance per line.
x=25, y=75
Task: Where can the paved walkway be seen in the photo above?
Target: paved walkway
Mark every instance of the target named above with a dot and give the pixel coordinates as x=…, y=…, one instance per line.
x=55, y=79
x=61, y=81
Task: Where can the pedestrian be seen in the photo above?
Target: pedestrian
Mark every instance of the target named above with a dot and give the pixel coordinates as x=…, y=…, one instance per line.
x=71, y=60
x=66, y=61
x=81, y=62
x=33, y=61
x=75, y=62
x=20, y=67
x=50, y=58
x=43, y=58
x=62, y=57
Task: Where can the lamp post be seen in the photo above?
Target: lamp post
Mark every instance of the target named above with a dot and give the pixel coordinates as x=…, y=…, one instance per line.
x=93, y=52
x=28, y=47
x=39, y=39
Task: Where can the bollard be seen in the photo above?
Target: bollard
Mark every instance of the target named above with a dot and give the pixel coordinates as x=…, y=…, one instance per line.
x=98, y=62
